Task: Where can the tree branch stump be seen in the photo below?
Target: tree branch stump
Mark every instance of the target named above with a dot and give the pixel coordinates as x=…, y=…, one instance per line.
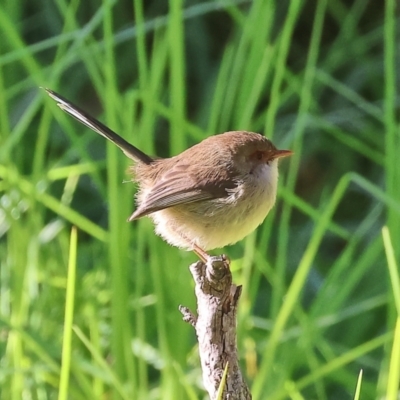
x=215, y=326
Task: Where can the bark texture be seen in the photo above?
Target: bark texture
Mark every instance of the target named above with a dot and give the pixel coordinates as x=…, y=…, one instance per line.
x=215, y=326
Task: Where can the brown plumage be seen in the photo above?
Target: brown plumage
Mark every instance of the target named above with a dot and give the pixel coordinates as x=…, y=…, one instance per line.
x=211, y=195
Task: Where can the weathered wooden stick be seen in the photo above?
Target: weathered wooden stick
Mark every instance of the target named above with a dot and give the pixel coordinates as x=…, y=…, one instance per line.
x=215, y=326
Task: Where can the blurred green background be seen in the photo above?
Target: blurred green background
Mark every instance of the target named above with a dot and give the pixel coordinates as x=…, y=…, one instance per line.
x=96, y=316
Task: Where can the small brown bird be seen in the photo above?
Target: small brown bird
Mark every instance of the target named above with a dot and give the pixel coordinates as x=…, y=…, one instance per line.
x=209, y=196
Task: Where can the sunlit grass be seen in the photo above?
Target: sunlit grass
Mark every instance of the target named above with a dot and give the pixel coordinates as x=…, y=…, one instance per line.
x=320, y=278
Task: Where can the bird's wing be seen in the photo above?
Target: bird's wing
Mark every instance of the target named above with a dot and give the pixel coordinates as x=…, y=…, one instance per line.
x=178, y=187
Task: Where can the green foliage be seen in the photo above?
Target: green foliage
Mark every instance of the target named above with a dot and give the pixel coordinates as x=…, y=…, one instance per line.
x=320, y=278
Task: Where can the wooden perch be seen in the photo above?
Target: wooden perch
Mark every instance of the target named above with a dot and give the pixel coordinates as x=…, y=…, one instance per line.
x=215, y=326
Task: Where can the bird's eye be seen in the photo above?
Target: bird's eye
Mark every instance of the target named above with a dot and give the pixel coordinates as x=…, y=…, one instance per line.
x=259, y=155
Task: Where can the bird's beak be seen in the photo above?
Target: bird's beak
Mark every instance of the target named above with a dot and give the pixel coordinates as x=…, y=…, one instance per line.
x=282, y=153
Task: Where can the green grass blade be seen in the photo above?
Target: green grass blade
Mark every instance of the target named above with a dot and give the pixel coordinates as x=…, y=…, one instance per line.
x=69, y=317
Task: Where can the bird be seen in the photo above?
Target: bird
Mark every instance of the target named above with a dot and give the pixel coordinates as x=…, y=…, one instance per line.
x=209, y=196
